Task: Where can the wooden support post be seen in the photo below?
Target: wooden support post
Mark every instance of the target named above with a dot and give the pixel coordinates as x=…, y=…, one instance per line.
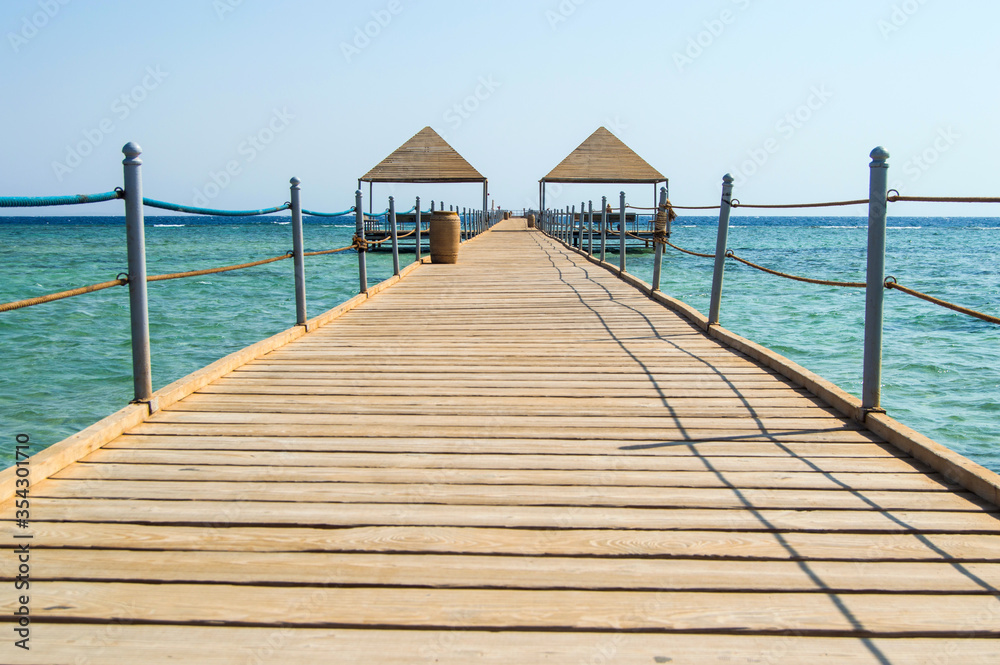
x=359, y=232
x=142, y=371
x=721, y=243
x=871, y=392
x=297, y=250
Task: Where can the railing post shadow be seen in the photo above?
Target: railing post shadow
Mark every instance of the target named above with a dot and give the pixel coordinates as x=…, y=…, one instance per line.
x=720, y=249
x=142, y=372
x=359, y=232
x=871, y=392
x=395, y=236
x=297, y=250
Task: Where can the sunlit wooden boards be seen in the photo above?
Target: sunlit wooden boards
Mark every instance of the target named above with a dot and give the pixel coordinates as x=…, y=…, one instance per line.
x=517, y=458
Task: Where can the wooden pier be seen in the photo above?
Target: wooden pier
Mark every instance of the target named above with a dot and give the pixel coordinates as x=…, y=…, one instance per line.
x=517, y=459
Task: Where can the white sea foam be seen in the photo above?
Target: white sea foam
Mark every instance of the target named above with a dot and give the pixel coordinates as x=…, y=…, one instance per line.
x=168, y=226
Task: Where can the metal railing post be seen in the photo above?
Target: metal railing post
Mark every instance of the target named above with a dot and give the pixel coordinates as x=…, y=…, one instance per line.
x=659, y=237
x=297, y=249
x=720, y=249
x=570, y=223
x=359, y=232
x=142, y=371
x=604, y=227
x=395, y=236
x=871, y=392
x=579, y=240
x=417, y=232
x=621, y=233
x=590, y=228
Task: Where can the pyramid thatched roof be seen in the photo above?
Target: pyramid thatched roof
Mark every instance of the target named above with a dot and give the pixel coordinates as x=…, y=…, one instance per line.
x=603, y=158
x=424, y=158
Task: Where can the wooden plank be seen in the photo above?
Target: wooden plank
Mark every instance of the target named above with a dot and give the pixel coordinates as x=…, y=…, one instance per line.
x=720, y=546
x=801, y=613
x=447, y=475
x=284, y=395
x=637, y=438
x=490, y=572
x=513, y=495
x=231, y=645
x=430, y=514
x=550, y=453
x=580, y=421
x=264, y=404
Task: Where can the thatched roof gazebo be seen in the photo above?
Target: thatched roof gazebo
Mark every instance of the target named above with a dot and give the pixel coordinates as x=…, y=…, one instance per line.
x=425, y=158
x=602, y=159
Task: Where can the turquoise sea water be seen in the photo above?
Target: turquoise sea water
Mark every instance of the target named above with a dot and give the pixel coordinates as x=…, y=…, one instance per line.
x=67, y=364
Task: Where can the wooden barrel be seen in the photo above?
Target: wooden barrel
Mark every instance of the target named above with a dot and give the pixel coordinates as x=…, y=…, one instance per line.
x=531, y=221
x=445, y=236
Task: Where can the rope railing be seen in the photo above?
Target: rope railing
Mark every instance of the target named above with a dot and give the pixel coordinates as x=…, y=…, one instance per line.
x=39, y=300
x=735, y=203
x=941, y=199
x=332, y=251
x=688, y=251
x=43, y=201
x=212, y=271
x=176, y=207
x=891, y=283
x=121, y=281
x=824, y=282
x=312, y=213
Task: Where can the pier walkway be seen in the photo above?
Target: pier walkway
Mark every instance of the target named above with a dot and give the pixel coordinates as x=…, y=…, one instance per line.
x=516, y=459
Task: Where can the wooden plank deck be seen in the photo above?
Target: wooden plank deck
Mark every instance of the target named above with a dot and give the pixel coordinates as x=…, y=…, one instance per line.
x=519, y=458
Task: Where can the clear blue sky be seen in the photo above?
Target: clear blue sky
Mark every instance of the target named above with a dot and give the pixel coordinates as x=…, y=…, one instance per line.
x=697, y=88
